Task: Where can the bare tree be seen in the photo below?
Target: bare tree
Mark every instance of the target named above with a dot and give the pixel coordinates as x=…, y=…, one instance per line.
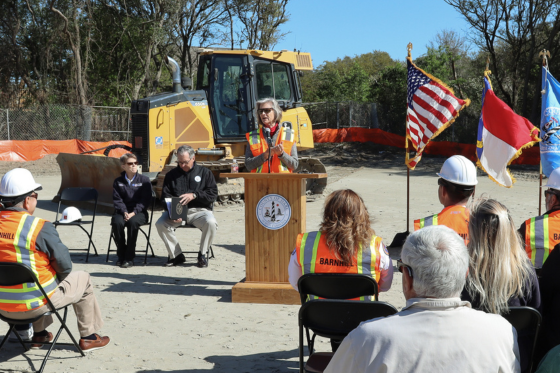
x=261, y=20
x=510, y=32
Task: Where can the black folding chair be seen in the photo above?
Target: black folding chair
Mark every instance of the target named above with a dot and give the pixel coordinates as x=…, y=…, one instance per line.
x=334, y=319
x=337, y=286
x=210, y=252
x=12, y=274
x=527, y=322
x=147, y=236
x=79, y=195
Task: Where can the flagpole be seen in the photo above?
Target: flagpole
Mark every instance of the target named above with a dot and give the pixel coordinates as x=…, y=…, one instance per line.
x=407, y=190
x=544, y=54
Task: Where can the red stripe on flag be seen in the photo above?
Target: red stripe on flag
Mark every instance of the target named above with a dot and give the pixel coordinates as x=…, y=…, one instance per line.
x=421, y=128
x=441, y=102
x=429, y=108
x=461, y=102
x=424, y=122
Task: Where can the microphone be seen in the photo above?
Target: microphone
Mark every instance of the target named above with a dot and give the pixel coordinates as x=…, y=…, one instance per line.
x=269, y=142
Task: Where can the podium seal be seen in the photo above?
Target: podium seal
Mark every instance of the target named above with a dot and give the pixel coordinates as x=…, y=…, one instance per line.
x=273, y=211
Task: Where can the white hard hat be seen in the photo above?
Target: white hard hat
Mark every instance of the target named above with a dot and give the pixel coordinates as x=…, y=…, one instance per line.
x=17, y=182
x=70, y=214
x=459, y=170
x=553, y=180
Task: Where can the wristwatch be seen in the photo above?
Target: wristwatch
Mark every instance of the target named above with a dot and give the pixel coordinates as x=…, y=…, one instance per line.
x=194, y=196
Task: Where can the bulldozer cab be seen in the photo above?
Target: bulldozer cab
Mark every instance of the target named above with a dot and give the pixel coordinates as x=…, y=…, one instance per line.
x=235, y=82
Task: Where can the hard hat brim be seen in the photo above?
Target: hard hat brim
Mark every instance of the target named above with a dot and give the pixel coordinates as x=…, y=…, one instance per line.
x=456, y=182
x=37, y=186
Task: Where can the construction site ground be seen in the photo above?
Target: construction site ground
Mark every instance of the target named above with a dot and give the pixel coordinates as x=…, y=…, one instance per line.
x=182, y=319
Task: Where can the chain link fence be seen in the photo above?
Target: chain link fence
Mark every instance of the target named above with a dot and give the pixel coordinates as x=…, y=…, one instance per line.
x=372, y=115
x=65, y=122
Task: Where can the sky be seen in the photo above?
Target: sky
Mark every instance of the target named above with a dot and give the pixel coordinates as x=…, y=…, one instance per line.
x=330, y=29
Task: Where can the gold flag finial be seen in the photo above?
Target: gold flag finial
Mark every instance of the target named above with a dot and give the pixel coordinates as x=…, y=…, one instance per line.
x=487, y=62
x=409, y=49
x=544, y=53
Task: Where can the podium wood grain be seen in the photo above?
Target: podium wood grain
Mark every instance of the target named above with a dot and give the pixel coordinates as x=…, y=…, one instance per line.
x=267, y=252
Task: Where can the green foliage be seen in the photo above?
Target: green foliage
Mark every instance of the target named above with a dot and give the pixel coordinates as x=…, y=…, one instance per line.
x=389, y=92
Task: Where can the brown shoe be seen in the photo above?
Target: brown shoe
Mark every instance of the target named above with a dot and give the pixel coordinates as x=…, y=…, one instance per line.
x=39, y=340
x=95, y=344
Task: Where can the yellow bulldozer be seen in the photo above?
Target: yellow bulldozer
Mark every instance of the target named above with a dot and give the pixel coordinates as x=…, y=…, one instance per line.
x=213, y=119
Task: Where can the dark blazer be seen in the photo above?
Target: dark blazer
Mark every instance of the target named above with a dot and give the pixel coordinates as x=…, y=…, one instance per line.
x=198, y=180
x=135, y=197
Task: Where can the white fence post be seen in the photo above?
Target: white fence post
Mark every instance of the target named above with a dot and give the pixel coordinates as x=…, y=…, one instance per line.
x=8, y=122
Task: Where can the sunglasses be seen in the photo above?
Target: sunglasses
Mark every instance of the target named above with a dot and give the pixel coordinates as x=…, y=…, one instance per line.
x=549, y=192
x=401, y=265
x=266, y=111
x=36, y=196
x=132, y=163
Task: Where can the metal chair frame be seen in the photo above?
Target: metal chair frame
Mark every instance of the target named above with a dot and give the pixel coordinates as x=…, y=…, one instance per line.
x=335, y=319
x=19, y=273
x=526, y=320
x=147, y=236
x=79, y=195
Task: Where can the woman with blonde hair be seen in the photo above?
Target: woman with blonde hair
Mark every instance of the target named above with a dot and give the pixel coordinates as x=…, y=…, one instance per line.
x=345, y=243
x=500, y=274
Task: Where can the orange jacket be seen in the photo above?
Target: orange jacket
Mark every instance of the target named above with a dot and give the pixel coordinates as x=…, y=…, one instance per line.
x=18, y=233
x=258, y=145
x=455, y=217
x=314, y=256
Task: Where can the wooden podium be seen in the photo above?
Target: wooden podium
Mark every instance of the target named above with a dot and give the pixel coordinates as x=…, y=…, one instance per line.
x=267, y=251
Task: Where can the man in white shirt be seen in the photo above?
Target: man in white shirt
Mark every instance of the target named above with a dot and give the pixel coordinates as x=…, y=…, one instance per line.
x=436, y=331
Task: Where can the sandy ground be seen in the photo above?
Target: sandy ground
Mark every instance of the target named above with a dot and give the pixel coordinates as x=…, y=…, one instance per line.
x=181, y=319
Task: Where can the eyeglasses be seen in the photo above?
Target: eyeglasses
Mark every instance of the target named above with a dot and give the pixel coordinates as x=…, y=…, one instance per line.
x=266, y=111
x=400, y=266
x=184, y=163
x=36, y=196
x=549, y=192
x=132, y=163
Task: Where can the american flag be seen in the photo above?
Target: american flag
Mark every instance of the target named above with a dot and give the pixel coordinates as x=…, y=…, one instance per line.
x=432, y=107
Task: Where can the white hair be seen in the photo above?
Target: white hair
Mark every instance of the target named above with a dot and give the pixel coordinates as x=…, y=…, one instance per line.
x=439, y=260
x=186, y=149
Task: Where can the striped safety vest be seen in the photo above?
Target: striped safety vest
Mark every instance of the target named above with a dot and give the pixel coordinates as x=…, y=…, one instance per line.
x=542, y=233
x=258, y=145
x=455, y=217
x=18, y=233
x=314, y=256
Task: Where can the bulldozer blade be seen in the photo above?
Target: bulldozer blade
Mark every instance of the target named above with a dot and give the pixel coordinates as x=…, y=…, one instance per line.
x=99, y=172
x=313, y=166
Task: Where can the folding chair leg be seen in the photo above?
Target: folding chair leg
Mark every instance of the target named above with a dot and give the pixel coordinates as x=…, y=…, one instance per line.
x=109, y=247
x=211, y=253
x=7, y=335
x=63, y=325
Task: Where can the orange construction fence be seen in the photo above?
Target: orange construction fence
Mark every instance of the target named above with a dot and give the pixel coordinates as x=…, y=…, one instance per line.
x=23, y=151
x=529, y=156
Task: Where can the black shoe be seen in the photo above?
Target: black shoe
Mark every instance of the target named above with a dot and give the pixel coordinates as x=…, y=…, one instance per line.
x=202, y=262
x=128, y=264
x=179, y=259
x=119, y=263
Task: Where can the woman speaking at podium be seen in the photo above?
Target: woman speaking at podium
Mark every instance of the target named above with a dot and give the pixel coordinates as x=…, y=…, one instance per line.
x=272, y=148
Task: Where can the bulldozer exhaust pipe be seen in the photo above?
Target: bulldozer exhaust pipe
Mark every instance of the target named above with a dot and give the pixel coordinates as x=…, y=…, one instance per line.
x=174, y=66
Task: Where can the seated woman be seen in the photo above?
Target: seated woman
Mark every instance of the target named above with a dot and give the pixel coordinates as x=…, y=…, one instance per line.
x=500, y=274
x=345, y=243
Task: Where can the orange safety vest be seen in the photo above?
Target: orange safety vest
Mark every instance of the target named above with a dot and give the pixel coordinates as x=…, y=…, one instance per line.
x=258, y=145
x=18, y=233
x=316, y=257
x=542, y=233
x=455, y=217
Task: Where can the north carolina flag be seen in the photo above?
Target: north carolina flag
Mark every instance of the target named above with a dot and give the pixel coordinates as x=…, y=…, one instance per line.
x=502, y=135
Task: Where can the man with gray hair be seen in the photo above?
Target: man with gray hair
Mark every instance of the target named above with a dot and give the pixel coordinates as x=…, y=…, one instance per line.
x=196, y=187
x=436, y=331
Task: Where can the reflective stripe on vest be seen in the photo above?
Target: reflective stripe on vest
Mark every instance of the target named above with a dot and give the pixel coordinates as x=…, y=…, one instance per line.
x=308, y=247
x=537, y=240
x=27, y=294
x=430, y=220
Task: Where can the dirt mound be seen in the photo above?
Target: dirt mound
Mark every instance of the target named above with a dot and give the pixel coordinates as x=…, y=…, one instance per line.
x=43, y=167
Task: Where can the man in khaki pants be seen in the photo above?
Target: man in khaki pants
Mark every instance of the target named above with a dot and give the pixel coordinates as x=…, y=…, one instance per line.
x=34, y=242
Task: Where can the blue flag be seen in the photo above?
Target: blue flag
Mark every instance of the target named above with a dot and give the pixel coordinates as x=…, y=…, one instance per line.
x=550, y=123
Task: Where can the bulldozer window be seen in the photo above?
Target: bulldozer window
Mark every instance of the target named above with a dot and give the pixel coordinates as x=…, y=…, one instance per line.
x=272, y=81
x=229, y=97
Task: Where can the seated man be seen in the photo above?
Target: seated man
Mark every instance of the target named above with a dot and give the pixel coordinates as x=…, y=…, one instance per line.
x=40, y=248
x=196, y=187
x=132, y=193
x=457, y=184
x=436, y=331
